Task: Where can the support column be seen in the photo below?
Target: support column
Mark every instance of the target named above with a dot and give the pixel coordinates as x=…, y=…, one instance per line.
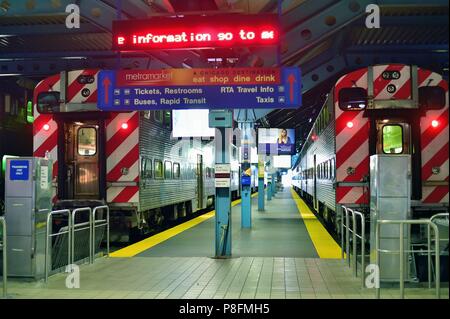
x=261, y=191
x=274, y=184
x=246, y=190
x=223, y=224
x=269, y=187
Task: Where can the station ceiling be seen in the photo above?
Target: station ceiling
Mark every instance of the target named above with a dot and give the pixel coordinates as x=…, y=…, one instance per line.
x=326, y=38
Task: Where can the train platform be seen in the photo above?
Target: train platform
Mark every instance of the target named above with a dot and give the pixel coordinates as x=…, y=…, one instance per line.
x=282, y=230
x=286, y=255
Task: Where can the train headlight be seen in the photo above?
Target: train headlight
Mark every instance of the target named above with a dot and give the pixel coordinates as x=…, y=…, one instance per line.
x=46, y=127
x=349, y=124
x=434, y=123
x=124, y=126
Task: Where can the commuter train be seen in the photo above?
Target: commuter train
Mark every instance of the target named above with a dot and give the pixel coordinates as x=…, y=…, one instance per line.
x=127, y=160
x=382, y=109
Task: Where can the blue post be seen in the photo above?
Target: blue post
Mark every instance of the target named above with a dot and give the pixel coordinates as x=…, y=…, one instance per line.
x=261, y=198
x=261, y=191
x=246, y=191
x=223, y=194
x=246, y=207
x=274, y=184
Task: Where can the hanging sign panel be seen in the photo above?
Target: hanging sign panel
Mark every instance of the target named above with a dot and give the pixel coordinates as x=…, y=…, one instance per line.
x=228, y=88
x=276, y=141
x=196, y=32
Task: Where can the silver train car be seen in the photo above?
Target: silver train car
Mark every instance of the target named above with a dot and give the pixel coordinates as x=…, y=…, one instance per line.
x=127, y=160
x=383, y=109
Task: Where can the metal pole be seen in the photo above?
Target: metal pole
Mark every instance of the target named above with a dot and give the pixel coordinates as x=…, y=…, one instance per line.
x=402, y=261
x=355, y=253
x=347, y=238
x=429, y=254
x=69, y=238
x=223, y=225
x=363, y=246
x=342, y=233
x=47, y=236
x=91, y=243
x=5, y=258
x=377, y=259
x=93, y=235
x=107, y=230
x=72, y=243
x=438, y=263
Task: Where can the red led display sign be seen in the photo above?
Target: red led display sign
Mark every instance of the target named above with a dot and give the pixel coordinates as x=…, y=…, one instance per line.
x=193, y=32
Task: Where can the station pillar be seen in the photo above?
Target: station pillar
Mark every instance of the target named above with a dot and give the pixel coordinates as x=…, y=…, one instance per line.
x=261, y=191
x=222, y=121
x=269, y=187
x=246, y=188
x=274, y=184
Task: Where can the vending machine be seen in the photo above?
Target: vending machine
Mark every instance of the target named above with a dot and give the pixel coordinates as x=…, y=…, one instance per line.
x=28, y=201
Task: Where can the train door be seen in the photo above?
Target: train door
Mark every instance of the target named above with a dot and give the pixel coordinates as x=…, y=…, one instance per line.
x=394, y=137
x=200, y=181
x=82, y=160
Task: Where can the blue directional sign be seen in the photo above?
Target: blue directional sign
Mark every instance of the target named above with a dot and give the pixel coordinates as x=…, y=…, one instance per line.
x=254, y=88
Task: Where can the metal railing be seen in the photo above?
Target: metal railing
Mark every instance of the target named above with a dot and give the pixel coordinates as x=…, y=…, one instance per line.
x=102, y=222
x=432, y=219
x=5, y=258
x=402, y=251
x=49, y=235
x=72, y=228
x=81, y=227
x=355, y=237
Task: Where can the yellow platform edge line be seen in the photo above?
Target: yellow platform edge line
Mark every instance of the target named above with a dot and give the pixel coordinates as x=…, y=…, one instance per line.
x=324, y=244
x=136, y=248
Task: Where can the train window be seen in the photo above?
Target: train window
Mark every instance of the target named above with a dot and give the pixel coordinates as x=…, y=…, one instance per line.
x=392, y=139
x=176, y=170
x=333, y=168
x=87, y=141
x=352, y=99
x=148, y=169
x=167, y=170
x=167, y=119
x=142, y=169
x=431, y=97
x=48, y=102
x=158, y=116
x=330, y=169
x=158, y=169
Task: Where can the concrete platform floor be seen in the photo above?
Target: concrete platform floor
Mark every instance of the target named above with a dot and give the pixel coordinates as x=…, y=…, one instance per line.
x=193, y=274
x=207, y=278
x=279, y=231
